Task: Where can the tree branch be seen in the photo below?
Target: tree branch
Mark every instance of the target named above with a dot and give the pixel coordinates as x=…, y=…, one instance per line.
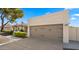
x=1, y=16
x=6, y=22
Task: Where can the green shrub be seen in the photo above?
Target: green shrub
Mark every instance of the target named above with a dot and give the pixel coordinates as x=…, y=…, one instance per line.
x=19, y=34
x=22, y=30
x=9, y=32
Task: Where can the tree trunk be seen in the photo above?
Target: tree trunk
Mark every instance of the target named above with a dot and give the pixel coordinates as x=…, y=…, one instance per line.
x=2, y=22
x=2, y=28
x=2, y=25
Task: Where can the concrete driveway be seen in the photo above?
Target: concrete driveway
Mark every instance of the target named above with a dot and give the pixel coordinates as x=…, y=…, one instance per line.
x=33, y=44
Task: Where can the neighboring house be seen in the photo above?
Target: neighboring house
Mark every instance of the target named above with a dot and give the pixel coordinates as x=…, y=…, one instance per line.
x=19, y=27
x=51, y=26
x=7, y=27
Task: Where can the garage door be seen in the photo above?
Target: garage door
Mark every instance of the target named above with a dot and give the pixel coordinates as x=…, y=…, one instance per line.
x=54, y=32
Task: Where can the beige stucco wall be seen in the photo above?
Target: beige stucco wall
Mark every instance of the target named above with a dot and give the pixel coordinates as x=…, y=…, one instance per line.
x=74, y=33
x=61, y=17
x=77, y=31
x=65, y=34
x=53, y=18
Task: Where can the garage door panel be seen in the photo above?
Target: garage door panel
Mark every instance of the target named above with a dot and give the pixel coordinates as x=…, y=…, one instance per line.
x=47, y=31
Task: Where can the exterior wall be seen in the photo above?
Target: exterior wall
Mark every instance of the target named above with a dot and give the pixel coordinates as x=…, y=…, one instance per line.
x=74, y=33
x=77, y=33
x=28, y=31
x=65, y=34
x=55, y=18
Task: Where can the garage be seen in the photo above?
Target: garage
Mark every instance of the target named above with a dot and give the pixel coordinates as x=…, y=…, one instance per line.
x=51, y=26
x=54, y=32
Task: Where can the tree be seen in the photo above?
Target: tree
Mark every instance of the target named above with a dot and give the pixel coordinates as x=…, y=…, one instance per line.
x=22, y=26
x=11, y=14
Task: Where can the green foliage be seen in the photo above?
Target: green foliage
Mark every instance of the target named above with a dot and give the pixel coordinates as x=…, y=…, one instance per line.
x=22, y=30
x=8, y=32
x=19, y=34
x=11, y=14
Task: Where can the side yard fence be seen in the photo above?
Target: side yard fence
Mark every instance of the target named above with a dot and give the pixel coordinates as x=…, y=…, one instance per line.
x=74, y=33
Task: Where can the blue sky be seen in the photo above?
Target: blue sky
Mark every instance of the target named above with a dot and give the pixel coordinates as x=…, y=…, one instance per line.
x=74, y=17
x=33, y=12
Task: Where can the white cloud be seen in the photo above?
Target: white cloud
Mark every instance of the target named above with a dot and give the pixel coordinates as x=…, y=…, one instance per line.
x=73, y=18
x=76, y=15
